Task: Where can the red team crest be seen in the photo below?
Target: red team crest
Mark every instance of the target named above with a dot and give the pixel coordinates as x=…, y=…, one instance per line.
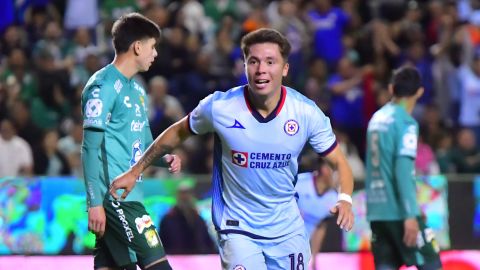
x=240, y=158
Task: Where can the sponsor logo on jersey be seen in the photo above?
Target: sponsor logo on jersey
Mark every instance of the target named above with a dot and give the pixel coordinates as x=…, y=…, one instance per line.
x=137, y=110
x=240, y=158
x=92, y=122
x=143, y=223
x=239, y=267
x=258, y=160
x=96, y=93
x=142, y=101
x=136, y=155
x=123, y=220
x=236, y=125
x=118, y=86
x=126, y=101
x=138, y=88
x=291, y=127
x=93, y=108
x=137, y=126
x=152, y=238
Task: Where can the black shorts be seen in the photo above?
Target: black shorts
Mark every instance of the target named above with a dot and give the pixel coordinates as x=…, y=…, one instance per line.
x=389, y=249
x=130, y=237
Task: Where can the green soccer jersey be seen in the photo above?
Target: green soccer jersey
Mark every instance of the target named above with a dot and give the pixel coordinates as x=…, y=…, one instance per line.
x=118, y=106
x=392, y=133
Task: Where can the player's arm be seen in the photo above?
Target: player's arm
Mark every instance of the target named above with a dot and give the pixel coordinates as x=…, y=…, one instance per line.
x=407, y=194
x=161, y=147
x=92, y=140
x=159, y=162
x=344, y=205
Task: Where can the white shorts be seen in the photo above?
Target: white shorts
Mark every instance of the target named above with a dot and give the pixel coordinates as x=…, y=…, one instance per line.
x=240, y=252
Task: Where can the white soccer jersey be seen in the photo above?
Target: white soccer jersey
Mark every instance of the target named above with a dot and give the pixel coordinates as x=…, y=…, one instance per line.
x=255, y=159
x=313, y=207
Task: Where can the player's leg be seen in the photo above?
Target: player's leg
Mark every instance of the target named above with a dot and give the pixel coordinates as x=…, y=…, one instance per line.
x=136, y=228
x=316, y=241
x=384, y=250
x=291, y=253
x=102, y=258
x=427, y=252
x=239, y=252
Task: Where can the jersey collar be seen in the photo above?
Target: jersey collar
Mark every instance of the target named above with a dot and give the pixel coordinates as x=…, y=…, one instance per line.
x=254, y=111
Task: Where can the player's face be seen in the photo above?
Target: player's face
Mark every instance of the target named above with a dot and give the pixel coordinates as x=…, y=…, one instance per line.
x=265, y=68
x=146, y=53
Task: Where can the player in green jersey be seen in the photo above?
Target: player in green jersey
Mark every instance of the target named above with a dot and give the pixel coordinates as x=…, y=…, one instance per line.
x=116, y=133
x=399, y=235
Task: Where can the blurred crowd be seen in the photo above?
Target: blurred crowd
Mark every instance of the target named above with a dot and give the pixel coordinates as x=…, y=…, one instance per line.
x=342, y=56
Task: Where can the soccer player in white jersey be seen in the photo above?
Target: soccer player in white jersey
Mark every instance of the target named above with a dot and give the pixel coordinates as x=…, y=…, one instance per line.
x=316, y=195
x=260, y=129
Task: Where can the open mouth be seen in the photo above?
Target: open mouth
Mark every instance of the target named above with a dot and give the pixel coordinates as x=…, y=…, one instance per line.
x=261, y=83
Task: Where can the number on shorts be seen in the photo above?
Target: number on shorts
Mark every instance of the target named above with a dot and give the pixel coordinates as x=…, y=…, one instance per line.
x=300, y=263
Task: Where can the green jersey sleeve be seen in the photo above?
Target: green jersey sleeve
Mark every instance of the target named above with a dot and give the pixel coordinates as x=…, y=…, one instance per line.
x=407, y=139
x=92, y=140
x=97, y=105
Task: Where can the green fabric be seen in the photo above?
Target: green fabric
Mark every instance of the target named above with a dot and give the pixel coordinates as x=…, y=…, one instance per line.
x=28, y=87
x=46, y=117
x=406, y=186
x=117, y=105
x=388, y=247
x=130, y=234
x=392, y=136
x=92, y=141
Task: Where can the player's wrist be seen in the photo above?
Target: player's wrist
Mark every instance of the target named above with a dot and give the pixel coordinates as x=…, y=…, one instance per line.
x=344, y=197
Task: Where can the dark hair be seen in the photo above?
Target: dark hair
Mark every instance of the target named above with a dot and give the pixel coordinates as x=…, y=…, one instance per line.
x=406, y=81
x=266, y=35
x=130, y=28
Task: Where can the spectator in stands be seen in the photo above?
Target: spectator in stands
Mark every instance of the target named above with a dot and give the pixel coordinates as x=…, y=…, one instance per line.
x=351, y=154
x=327, y=24
x=70, y=146
x=49, y=160
x=466, y=153
x=164, y=109
x=347, y=101
x=182, y=229
x=15, y=153
x=22, y=120
x=443, y=152
x=426, y=162
x=469, y=79
x=18, y=72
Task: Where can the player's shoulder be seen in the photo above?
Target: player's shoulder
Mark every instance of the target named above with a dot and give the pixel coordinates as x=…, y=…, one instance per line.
x=138, y=87
x=299, y=99
x=232, y=93
x=104, y=79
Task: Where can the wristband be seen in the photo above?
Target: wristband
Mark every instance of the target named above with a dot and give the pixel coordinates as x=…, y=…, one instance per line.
x=345, y=197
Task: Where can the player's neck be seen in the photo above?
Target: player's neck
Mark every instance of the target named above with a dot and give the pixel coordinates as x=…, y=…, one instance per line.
x=265, y=104
x=125, y=65
x=405, y=103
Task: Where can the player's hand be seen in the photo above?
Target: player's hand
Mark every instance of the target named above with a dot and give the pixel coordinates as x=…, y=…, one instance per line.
x=124, y=181
x=174, y=162
x=96, y=220
x=410, y=227
x=344, y=213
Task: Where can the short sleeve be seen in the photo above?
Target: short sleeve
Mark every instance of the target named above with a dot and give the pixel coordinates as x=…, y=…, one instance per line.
x=321, y=136
x=407, y=140
x=97, y=104
x=200, y=119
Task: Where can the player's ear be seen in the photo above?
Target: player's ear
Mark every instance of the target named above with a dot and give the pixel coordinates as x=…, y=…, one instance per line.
x=390, y=89
x=419, y=92
x=136, y=47
x=285, y=70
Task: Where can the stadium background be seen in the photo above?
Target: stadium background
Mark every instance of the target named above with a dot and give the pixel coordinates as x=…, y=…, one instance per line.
x=342, y=57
